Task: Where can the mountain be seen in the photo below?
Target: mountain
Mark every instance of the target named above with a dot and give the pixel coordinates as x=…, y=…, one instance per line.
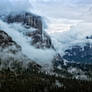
x=32, y=29
x=78, y=53
x=39, y=38
x=6, y=41
x=31, y=60
x=11, y=56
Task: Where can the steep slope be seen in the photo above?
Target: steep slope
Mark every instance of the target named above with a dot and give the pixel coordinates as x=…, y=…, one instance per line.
x=31, y=28
x=11, y=56
x=29, y=20
x=10, y=51
x=7, y=42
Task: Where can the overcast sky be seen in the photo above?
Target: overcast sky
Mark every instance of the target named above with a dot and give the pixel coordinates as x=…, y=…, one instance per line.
x=66, y=1
x=59, y=8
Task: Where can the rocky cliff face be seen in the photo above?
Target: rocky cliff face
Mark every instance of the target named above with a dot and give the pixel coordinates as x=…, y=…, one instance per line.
x=6, y=42
x=28, y=20
x=40, y=39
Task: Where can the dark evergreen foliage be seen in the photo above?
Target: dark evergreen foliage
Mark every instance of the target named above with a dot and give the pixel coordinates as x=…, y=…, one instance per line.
x=40, y=82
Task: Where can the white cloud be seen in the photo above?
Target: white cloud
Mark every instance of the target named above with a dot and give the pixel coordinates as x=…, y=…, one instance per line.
x=76, y=35
x=41, y=56
x=7, y=6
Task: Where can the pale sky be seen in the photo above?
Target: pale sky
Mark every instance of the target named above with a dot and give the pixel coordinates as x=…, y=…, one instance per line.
x=56, y=8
